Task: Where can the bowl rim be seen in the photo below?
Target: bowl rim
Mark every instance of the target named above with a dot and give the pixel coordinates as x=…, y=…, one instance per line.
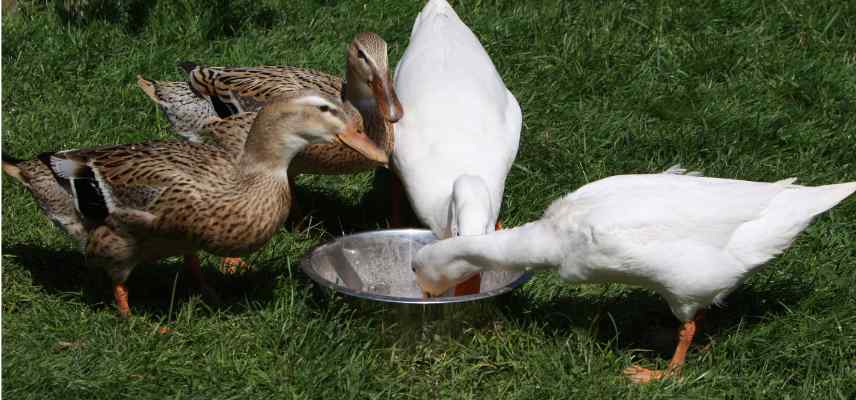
x=306, y=266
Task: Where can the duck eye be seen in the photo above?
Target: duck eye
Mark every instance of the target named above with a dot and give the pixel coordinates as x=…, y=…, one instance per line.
x=324, y=108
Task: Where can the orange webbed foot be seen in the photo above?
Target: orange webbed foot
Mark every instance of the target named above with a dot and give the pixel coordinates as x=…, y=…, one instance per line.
x=232, y=265
x=639, y=375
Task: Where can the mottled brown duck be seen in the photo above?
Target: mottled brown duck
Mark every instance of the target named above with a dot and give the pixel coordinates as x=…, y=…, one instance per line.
x=133, y=204
x=212, y=92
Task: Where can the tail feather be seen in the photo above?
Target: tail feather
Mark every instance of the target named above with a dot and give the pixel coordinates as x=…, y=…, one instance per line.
x=148, y=87
x=678, y=169
x=432, y=9
x=437, y=7
x=10, y=167
x=186, y=111
x=788, y=214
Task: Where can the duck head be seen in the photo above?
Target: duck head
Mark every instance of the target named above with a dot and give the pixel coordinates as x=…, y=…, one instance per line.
x=441, y=266
x=288, y=124
x=367, y=80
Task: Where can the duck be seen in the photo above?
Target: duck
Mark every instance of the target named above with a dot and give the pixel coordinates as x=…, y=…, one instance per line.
x=691, y=239
x=136, y=203
x=456, y=144
x=210, y=93
x=213, y=93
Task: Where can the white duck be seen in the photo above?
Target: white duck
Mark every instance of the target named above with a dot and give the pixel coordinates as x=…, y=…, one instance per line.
x=691, y=239
x=455, y=148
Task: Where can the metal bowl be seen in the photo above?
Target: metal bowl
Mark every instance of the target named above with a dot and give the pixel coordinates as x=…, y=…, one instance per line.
x=373, y=268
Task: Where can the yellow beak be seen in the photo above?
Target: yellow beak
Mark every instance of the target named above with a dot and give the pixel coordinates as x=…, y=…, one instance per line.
x=354, y=138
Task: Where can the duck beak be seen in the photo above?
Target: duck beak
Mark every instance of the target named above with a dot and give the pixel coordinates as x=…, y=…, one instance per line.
x=430, y=290
x=354, y=138
x=387, y=100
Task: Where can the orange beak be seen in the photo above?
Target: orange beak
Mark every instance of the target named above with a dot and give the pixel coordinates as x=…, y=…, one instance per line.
x=354, y=138
x=387, y=100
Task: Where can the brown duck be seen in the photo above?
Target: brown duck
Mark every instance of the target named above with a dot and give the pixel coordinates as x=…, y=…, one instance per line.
x=131, y=204
x=212, y=92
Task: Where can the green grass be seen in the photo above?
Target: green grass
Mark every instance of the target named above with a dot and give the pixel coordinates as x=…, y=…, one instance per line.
x=742, y=89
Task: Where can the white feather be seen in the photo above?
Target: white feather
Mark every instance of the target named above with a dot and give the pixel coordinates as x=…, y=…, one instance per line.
x=677, y=169
x=65, y=168
x=460, y=118
x=314, y=100
x=691, y=239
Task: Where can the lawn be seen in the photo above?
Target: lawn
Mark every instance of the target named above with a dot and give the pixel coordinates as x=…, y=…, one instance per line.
x=759, y=90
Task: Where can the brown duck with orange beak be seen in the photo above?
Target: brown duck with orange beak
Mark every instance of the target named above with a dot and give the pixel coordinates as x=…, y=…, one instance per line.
x=136, y=203
x=211, y=93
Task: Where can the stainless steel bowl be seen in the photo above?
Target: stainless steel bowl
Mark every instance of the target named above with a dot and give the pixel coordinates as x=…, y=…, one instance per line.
x=373, y=268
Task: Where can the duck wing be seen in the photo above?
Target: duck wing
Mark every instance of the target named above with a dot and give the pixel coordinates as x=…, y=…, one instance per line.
x=141, y=180
x=229, y=133
x=243, y=89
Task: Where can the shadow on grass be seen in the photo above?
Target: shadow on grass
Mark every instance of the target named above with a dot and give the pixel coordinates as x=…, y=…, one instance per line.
x=152, y=287
x=130, y=15
x=639, y=319
x=337, y=217
x=157, y=288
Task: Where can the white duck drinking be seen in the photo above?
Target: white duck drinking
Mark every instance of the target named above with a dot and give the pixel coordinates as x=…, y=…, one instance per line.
x=691, y=239
x=455, y=145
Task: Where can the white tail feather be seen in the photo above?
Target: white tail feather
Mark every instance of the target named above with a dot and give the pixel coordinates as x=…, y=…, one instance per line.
x=788, y=214
x=678, y=169
x=65, y=168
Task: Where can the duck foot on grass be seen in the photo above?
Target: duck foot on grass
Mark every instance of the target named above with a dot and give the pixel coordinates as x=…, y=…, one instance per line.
x=640, y=375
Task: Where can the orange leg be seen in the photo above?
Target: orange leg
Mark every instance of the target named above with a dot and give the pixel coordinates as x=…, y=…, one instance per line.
x=685, y=338
x=120, y=292
x=498, y=225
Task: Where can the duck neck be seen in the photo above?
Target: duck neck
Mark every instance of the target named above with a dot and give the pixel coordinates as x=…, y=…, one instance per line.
x=267, y=152
x=470, y=208
x=529, y=247
x=534, y=246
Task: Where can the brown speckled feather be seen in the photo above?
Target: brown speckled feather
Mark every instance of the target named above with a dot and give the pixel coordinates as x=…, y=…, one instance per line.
x=194, y=192
x=332, y=158
x=53, y=199
x=250, y=88
x=232, y=90
x=134, y=203
x=186, y=111
x=229, y=133
x=261, y=84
